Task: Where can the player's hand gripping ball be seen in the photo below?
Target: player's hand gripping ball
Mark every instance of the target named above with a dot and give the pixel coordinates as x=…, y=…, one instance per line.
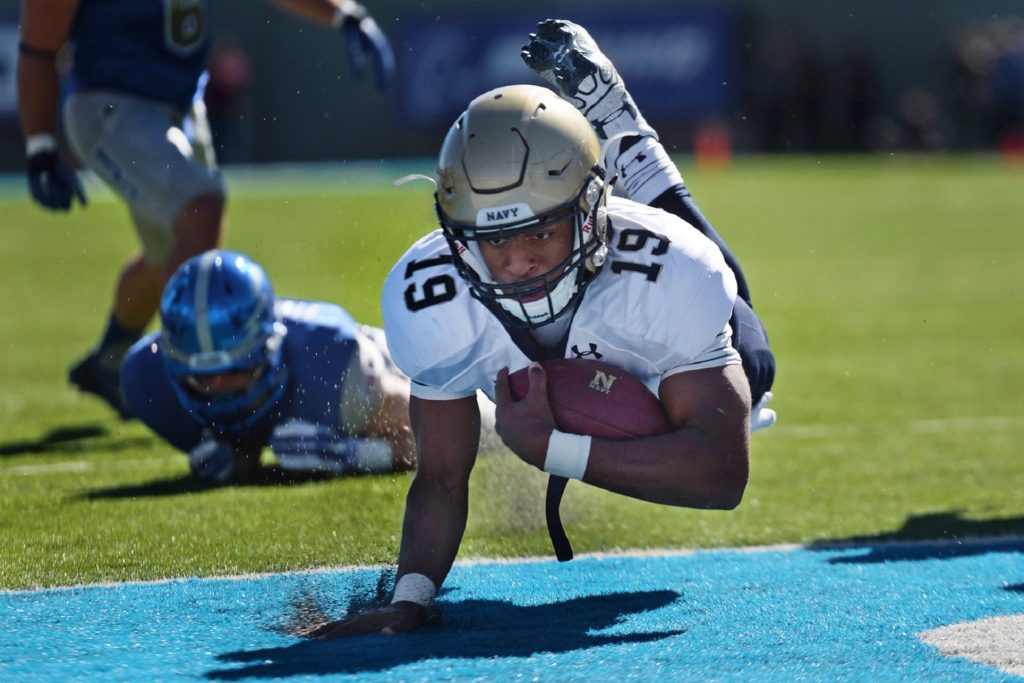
x=598, y=399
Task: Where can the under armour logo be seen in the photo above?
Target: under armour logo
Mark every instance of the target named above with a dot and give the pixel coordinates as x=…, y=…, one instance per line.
x=583, y=354
x=638, y=159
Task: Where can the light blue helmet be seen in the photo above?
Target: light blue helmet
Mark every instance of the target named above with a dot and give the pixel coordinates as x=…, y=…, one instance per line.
x=217, y=315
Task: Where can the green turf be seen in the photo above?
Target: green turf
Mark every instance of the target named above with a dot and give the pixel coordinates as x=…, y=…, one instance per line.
x=891, y=288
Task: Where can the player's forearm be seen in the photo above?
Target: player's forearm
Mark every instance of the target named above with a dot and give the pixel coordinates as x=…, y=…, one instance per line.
x=692, y=467
x=45, y=25
x=391, y=422
x=38, y=92
x=320, y=11
x=435, y=519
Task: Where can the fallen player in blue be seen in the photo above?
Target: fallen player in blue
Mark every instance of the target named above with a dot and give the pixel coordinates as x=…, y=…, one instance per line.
x=235, y=369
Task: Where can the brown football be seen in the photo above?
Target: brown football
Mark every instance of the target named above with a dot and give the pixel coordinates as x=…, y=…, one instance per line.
x=597, y=398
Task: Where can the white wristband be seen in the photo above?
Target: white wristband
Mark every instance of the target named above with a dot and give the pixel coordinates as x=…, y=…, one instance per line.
x=567, y=455
x=414, y=588
x=40, y=142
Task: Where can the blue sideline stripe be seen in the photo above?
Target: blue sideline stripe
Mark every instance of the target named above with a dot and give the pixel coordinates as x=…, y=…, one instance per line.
x=728, y=615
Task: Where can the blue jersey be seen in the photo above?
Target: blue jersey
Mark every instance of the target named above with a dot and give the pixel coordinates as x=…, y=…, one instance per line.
x=318, y=349
x=152, y=48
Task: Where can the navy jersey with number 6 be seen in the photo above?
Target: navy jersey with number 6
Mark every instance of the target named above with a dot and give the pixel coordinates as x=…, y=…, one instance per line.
x=155, y=49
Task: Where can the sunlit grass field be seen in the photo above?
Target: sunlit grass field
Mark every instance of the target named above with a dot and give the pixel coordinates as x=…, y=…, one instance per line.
x=891, y=287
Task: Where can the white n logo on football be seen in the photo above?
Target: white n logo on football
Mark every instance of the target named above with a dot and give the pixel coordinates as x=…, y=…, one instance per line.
x=603, y=382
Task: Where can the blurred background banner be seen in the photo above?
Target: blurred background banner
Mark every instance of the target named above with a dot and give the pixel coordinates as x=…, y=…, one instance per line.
x=750, y=76
x=8, y=70
x=680, y=64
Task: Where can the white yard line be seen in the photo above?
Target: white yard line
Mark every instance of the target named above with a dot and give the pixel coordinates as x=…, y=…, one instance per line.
x=49, y=468
x=80, y=466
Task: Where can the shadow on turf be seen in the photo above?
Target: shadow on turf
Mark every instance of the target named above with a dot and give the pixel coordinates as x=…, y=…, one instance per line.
x=479, y=629
x=940, y=535
x=266, y=476
x=69, y=440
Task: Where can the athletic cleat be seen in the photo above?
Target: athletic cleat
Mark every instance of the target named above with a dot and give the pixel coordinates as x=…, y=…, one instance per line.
x=93, y=376
x=564, y=54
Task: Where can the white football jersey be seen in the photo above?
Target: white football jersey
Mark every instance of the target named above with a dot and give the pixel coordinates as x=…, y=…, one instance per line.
x=660, y=305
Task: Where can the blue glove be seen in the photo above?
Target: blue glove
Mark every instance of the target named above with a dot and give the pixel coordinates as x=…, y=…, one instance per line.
x=52, y=182
x=212, y=461
x=364, y=38
x=308, y=447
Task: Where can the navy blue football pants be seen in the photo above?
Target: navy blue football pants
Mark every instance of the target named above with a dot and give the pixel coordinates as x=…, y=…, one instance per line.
x=748, y=334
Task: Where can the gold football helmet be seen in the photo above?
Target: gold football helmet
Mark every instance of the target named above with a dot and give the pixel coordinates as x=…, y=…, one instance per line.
x=520, y=158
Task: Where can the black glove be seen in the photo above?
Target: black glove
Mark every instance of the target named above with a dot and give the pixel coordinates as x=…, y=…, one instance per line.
x=364, y=38
x=53, y=183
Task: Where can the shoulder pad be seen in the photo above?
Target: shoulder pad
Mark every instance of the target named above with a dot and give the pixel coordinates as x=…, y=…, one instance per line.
x=664, y=288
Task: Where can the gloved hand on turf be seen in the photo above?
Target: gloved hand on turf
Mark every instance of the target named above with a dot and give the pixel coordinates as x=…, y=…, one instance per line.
x=762, y=417
x=364, y=39
x=51, y=182
x=309, y=447
x=212, y=461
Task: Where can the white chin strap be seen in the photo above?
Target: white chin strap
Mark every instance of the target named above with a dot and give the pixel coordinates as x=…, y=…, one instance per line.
x=536, y=312
x=539, y=311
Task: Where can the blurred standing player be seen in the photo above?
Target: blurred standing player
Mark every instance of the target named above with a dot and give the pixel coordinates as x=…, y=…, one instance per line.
x=235, y=369
x=535, y=261
x=135, y=116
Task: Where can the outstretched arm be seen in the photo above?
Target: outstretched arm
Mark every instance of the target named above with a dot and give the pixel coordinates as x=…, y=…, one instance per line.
x=321, y=11
x=447, y=437
x=45, y=25
x=363, y=37
x=391, y=421
x=702, y=464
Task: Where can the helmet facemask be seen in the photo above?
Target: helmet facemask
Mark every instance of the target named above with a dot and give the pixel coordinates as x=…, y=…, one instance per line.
x=262, y=358
x=544, y=298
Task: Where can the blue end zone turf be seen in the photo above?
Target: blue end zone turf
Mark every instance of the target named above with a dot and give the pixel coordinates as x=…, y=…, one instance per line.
x=771, y=615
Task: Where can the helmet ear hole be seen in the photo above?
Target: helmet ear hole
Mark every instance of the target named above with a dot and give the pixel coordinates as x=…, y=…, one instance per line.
x=594, y=192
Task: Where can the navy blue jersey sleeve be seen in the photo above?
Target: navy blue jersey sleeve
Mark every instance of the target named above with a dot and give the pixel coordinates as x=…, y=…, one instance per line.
x=149, y=396
x=321, y=353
